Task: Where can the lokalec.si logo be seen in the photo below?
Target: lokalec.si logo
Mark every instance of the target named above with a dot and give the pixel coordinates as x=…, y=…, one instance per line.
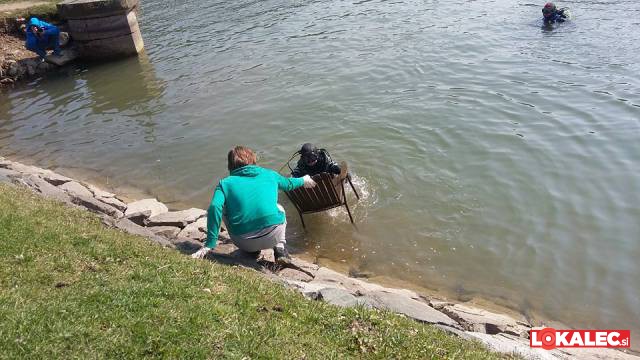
x=550, y=338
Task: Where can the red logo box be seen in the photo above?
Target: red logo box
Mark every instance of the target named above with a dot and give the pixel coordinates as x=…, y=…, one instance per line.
x=550, y=338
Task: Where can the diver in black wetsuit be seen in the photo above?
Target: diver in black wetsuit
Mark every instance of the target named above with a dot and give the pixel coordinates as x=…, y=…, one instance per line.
x=551, y=14
x=314, y=161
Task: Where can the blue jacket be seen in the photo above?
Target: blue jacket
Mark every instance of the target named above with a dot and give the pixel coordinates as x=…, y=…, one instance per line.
x=40, y=42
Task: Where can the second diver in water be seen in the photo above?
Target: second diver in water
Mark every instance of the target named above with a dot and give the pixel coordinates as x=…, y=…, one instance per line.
x=551, y=14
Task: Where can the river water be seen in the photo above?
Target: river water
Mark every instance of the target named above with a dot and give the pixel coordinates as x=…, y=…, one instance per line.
x=498, y=159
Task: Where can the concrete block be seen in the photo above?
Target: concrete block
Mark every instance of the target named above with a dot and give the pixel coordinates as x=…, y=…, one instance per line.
x=84, y=9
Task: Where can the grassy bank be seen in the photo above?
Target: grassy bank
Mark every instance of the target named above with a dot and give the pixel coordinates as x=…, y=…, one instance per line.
x=69, y=287
x=44, y=9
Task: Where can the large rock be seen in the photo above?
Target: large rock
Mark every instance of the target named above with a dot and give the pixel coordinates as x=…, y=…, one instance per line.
x=6, y=175
x=334, y=279
x=149, y=207
x=54, y=178
x=177, y=218
x=25, y=169
x=293, y=274
x=510, y=344
x=76, y=189
x=196, y=230
x=40, y=185
x=483, y=321
x=95, y=205
x=128, y=226
x=405, y=305
x=338, y=297
x=308, y=289
x=113, y=202
x=99, y=193
x=166, y=231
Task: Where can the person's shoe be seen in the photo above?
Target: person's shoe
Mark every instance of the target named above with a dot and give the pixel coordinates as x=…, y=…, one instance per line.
x=281, y=256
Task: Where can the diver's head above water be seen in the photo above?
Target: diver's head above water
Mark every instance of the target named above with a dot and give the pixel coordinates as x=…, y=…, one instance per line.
x=309, y=154
x=548, y=10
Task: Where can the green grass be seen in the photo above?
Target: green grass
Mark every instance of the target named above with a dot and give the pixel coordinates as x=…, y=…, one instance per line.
x=46, y=11
x=72, y=288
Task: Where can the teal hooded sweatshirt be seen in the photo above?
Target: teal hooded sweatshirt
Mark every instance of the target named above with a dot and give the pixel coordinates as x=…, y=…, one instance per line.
x=249, y=196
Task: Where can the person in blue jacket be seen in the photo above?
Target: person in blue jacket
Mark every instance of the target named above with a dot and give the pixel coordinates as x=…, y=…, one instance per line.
x=42, y=36
x=551, y=14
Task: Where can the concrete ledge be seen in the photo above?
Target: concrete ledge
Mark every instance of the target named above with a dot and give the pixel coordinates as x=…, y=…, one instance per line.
x=103, y=28
x=119, y=46
x=85, y=9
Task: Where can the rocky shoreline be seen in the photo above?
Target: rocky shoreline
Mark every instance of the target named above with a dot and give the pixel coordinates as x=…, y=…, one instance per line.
x=17, y=63
x=185, y=230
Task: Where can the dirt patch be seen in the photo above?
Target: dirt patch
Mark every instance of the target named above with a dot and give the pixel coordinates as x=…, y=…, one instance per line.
x=12, y=48
x=20, y=5
x=16, y=62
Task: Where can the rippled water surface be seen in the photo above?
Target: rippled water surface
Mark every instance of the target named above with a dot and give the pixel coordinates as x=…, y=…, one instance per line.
x=499, y=159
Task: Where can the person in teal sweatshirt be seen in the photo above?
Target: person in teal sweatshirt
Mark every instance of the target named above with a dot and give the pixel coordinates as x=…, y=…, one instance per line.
x=247, y=199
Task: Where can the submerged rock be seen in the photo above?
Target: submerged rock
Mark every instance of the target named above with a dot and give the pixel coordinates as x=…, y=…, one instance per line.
x=483, y=321
x=412, y=308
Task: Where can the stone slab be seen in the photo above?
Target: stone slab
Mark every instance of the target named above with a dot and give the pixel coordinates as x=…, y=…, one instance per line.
x=196, y=230
x=113, y=202
x=68, y=55
x=177, y=218
x=25, y=169
x=76, y=189
x=483, y=321
x=509, y=344
x=40, y=185
x=338, y=297
x=166, y=231
x=151, y=206
x=83, y=9
x=294, y=274
x=55, y=179
x=6, y=175
x=128, y=226
x=335, y=279
x=99, y=193
x=308, y=289
x=412, y=308
x=95, y=205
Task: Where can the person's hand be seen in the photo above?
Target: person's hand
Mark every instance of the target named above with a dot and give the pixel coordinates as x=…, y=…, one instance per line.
x=201, y=253
x=308, y=182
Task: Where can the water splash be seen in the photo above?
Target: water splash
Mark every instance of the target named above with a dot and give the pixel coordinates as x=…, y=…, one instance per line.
x=359, y=208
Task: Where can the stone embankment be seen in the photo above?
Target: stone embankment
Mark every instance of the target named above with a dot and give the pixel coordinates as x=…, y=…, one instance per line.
x=185, y=230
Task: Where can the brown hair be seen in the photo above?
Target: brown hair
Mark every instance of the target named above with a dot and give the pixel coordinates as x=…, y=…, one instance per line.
x=240, y=156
